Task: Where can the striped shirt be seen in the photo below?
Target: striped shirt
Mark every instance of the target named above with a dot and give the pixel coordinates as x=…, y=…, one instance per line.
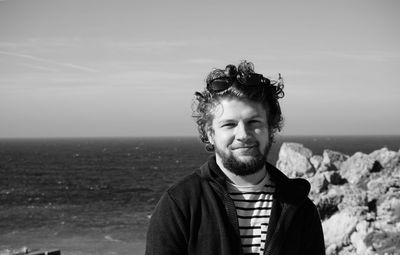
x=253, y=206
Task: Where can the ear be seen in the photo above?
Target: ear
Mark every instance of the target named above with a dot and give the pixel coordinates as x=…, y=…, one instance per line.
x=210, y=134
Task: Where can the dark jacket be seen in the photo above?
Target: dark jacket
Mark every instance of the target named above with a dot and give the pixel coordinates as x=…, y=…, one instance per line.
x=197, y=216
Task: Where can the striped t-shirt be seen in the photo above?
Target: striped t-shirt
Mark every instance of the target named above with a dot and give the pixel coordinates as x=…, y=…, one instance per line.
x=253, y=206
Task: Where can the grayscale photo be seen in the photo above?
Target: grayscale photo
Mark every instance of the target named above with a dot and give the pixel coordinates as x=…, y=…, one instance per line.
x=199, y=128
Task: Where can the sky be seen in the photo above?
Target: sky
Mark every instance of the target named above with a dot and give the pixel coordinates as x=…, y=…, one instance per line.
x=72, y=68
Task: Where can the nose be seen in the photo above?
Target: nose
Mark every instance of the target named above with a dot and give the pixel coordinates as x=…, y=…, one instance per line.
x=241, y=132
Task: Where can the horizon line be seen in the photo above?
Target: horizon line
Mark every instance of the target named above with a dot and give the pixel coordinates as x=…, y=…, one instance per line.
x=187, y=136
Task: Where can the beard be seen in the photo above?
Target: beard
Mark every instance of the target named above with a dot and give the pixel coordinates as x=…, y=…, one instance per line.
x=241, y=167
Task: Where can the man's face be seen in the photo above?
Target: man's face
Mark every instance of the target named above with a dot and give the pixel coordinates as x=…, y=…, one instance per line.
x=240, y=135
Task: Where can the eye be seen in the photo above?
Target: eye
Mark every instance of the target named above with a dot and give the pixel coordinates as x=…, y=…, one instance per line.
x=228, y=125
x=256, y=122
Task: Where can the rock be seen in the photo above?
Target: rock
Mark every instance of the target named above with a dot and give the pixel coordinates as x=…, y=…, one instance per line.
x=358, y=167
x=396, y=172
x=316, y=161
x=387, y=159
x=20, y=251
x=327, y=204
x=354, y=200
x=359, y=236
x=332, y=160
x=333, y=177
x=388, y=208
x=380, y=185
x=384, y=242
x=332, y=249
x=294, y=160
x=338, y=228
x=357, y=197
x=347, y=250
x=318, y=183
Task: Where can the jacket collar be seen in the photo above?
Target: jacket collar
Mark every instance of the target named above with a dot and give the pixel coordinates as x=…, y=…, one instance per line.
x=289, y=195
x=292, y=191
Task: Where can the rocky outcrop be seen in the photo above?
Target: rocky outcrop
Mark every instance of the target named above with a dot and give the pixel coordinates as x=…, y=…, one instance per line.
x=358, y=167
x=357, y=196
x=386, y=158
x=294, y=160
x=332, y=160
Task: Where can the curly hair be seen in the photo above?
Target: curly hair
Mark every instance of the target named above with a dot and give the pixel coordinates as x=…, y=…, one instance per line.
x=267, y=92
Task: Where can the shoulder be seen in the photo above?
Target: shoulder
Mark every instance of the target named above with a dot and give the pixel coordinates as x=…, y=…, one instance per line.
x=291, y=190
x=188, y=195
x=298, y=187
x=188, y=186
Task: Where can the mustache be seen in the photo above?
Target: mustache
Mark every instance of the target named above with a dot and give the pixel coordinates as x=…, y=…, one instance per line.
x=245, y=145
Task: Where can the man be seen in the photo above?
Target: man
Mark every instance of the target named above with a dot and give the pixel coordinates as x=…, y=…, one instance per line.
x=237, y=203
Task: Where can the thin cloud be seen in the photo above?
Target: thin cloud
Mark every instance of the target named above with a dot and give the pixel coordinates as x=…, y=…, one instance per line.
x=150, y=78
x=43, y=60
x=40, y=67
x=162, y=44
x=151, y=45
x=203, y=61
x=139, y=79
x=79, y=67
x=374, y=56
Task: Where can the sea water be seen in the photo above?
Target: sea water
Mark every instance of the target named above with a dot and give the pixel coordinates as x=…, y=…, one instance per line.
x=95, y=196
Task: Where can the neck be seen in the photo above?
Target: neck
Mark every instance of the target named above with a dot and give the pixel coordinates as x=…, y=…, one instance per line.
x=245, y=180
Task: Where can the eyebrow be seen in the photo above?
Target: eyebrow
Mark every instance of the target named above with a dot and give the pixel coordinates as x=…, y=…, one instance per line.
x=256, y=116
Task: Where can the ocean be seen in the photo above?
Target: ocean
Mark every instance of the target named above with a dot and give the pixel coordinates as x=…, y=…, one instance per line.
x=96, y=195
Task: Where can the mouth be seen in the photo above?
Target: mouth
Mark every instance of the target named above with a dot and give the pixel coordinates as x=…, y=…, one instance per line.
x=244, y=147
